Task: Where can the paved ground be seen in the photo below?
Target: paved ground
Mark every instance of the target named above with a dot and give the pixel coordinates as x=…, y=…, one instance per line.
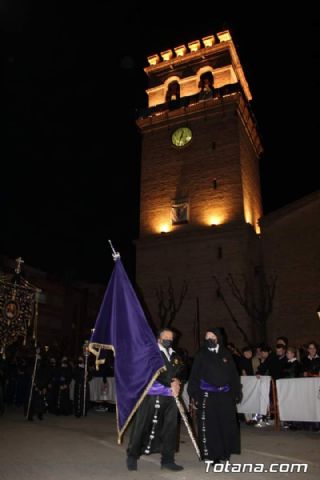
x=67, y=448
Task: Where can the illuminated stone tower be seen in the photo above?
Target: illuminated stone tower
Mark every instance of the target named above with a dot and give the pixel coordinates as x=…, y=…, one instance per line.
x=200, y=189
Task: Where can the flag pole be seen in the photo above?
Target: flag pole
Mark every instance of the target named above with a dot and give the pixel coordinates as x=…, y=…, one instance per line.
x=32, y=381
x=197, y=326
x=115, y=255
x=185, y=419
x=86, y=355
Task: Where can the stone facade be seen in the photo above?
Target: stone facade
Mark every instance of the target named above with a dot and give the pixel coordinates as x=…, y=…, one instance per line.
x=290, y=242
x=217, y=176
x=194, y=259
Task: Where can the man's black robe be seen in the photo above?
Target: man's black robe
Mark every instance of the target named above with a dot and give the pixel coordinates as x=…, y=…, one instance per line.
x=160, y=412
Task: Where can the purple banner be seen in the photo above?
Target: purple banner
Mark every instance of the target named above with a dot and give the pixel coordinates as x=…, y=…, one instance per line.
x=121, y=325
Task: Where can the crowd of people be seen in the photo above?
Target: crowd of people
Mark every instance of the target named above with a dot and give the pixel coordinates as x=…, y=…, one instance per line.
x=42, y=385
x=48, y=384
x=282, y=361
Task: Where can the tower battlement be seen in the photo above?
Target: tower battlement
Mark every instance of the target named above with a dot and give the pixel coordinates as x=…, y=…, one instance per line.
x=185, y=65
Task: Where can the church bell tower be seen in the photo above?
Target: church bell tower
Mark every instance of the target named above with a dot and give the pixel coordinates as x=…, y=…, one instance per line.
x=200, y=189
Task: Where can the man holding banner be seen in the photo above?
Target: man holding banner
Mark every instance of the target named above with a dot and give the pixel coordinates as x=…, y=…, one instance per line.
x=121, y=326
x=155, y=426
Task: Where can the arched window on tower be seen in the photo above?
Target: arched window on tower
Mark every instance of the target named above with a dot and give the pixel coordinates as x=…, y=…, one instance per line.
x=173, y=95
x=206, y=86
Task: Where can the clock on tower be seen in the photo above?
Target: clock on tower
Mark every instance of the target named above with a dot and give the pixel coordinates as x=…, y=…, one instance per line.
x=199, y=176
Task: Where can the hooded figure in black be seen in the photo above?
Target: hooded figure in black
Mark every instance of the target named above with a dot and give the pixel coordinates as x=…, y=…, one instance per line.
x=82, y=379
x=39, y=389
x=214, y=384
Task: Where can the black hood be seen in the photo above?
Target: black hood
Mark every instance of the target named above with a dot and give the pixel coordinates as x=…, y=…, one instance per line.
x=217, y=333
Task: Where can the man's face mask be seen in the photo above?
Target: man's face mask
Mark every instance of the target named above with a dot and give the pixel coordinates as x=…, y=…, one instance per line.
x=210, y=343
x=166, y=343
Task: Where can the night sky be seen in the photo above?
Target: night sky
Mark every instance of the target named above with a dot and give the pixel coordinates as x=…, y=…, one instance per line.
x=73, y=69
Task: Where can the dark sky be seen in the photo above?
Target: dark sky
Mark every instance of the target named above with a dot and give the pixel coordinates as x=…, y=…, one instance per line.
x=73, y=79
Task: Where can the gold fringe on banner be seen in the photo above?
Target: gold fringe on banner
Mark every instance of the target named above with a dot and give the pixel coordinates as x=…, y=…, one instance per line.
x=95, y=349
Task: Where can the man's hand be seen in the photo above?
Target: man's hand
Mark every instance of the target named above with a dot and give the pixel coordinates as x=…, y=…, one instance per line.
x=175, y=386
x=193, y=404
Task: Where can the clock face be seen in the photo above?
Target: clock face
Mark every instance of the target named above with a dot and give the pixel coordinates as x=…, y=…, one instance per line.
x=181, y=137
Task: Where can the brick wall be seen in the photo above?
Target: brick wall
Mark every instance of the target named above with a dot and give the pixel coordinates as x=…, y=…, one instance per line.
x=194, y=259
x=213, y=173
x=168, y=173
x=291, y=240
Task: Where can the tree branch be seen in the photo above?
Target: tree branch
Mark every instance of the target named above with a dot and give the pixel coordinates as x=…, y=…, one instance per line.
x=235, y=321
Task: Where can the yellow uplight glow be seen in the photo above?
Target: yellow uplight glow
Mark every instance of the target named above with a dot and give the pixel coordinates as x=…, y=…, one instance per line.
x=181, y=50
x=208, y=41
x=215, y=220
x=164, y=228
x=194, y=46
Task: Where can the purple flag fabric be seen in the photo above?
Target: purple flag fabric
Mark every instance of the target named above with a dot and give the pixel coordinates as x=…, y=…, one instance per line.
x=122, y=326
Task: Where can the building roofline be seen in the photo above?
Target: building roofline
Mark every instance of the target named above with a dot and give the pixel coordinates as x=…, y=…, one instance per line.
x=290, y=208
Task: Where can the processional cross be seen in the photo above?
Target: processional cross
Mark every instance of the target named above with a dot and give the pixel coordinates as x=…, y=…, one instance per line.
x=19, y=261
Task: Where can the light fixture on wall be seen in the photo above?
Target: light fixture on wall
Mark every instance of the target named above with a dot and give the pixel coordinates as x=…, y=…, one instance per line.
x=318, y=312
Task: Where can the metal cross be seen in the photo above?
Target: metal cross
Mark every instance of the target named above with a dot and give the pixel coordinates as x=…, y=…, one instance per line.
x=19, y=261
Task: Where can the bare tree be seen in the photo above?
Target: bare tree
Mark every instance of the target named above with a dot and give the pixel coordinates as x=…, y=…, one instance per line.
x=233, y=318
x=169, y=303
x=259, y=307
